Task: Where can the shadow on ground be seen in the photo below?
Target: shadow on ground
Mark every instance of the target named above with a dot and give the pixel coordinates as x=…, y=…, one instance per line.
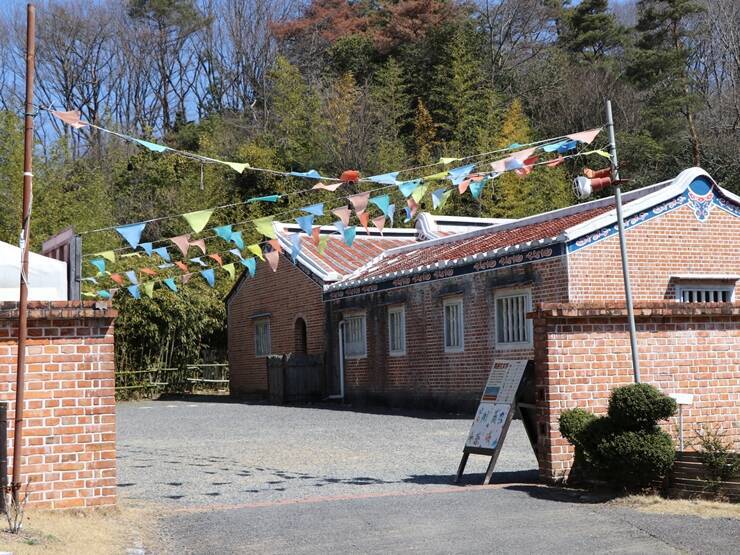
x=563, y=495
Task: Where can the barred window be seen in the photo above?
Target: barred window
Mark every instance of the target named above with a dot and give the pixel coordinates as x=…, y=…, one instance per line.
x=454, y=331
x=262, y=343
x=692, y=293
x=355, y=344
x=513, y=329
x=397, y=331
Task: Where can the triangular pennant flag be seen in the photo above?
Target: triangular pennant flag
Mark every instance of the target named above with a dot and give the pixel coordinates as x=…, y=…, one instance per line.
x=236, y=166
x=163, y=253
x=339, y=224
x=305, y=223
x=230, y=269
x=463, y=186
x=436, y=176
x=445, y=196
x=182, y=242
x=553, y=147
x=331, y=187
x=198, y=260
x=499, y=166
x=87, y=294
x=250, y=264
x=273, y=258
x=217, y=258
x=71, y=118
x=413, y=206
x=148, y=288
x=458, y=174
x=385, y=179
x=379, y=223
x=523, y=154
x=236, y=253
x=170, y=282
x=382, y=202
x=567, y=146
x=108, y=255
x=323, y=241
x=148, y=271
x=198, y=220
x=186, y=278
x=104, y=294
x=528, y=163
x=90, y=279
x=343, y=213
x=295, y=246
x=513, y=164
x=391, y=213
x=315, y=209
x=437, y=198
x=134, y=290
x=181, y=265
x=364, y=219
x=209, y=275
x=132, y=233
x=408, y=187
x=200, y=243
x=147, y=248
x=585, y=136
x=237, y=239
x=131, y=276
x=419, y=193
x=99, y=263
x=311, y=174
x=224, y=231
x=268, y=198
x=407, y=210
x=316, y=234
x=166, y=265
x=603, y=153
x=359, y=202
x=130, y=255
x=476, y=187
x=555, y=162
x=446, y=161
x=265, y=227
x=118, y=278
x=349, y=235
x=152, y=146
x=275, y=244
x=256, y=250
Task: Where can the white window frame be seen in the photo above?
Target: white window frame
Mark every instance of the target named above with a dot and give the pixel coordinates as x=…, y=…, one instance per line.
x=453, y=301
x=698, y=288
x=515, y=296
x=401, y=312
x=349, y=350
x=259, y=322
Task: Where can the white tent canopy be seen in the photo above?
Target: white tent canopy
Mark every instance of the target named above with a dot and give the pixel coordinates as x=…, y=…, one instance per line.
x=47, y=277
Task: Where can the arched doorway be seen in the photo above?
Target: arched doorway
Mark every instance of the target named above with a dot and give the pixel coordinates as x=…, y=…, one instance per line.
x=300, y=337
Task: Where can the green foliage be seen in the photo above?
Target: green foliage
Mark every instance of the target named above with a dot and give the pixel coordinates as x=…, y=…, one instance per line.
x=11, y=177
x=591, y=30
x=639, y=406
x=573, y=422
x=636, y=459
x=718, y=457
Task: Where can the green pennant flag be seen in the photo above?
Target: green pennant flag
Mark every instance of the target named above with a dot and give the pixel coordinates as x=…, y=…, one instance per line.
x=198, y=220
x=323, y=240
x=446, y=161
x=419, y=192
x=436, y=176
x=230, y=269
x=148, y=288
x=108, y=255
x=264, y=226
x=237, y=167
x=603, y=153
x=256, y=250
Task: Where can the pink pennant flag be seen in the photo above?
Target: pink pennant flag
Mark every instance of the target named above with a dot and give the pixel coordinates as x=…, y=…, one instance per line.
x=200, y=243
x=71, y=118
x=359, y=202
x=148, y=271
x=331, y=187
x=186, y=278
x=585, y=136
x=499, y=166
x=464, y=184
x=527, y=169
x=342, y=213
x=316, y=234
x=118, y=278
x=554, y=163
x=273, y=257
x=182, y=242
x=181, y=265
x=412, y=206
x=379, y=222
x=364, y=219
x=523, y=154
x=275, y=244
x=217, y=258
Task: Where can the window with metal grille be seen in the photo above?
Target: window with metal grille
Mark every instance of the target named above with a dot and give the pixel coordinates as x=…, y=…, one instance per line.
x=454, y=330
x=262, y=344
x=355, y=344
x=513, y=329
x=397, y=331
x=692, y=293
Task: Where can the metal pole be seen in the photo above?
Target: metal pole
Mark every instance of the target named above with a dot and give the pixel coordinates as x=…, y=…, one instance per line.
x=622, y=242
x=24, y=244
x=3, y=452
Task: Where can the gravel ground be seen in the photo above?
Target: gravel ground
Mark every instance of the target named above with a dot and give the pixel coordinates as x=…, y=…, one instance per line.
x=185, y=453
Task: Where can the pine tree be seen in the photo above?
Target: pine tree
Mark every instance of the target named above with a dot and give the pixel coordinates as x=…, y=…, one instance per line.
x=425, y=133
x=390, y=107
x=591, y=30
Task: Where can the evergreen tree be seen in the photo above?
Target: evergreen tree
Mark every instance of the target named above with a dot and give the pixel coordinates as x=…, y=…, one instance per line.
x=425, y=134
x=390, y=107
x=11, y=177
x=591, y=30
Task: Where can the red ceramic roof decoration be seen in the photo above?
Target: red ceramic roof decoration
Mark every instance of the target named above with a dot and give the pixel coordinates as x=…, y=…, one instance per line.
x=452, y=250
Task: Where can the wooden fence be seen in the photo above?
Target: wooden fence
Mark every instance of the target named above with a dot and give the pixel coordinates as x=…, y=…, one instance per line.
x=295, y=378
x=156, y=381
x=689, y=479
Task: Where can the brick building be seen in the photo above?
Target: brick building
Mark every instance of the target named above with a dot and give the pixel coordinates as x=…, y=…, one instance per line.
x=422, y=323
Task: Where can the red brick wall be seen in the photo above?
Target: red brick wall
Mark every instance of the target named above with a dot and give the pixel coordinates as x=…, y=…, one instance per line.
x=428, y=376
x=670, y=244
x=583, y=351
x=69, y=435
x=286, y=295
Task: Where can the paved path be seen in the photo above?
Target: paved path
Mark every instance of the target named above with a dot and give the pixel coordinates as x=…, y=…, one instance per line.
x=237, y=478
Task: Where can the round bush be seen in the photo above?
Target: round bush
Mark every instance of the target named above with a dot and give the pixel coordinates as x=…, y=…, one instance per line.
x=573, y=422
x=639, y=407
x=636, y=459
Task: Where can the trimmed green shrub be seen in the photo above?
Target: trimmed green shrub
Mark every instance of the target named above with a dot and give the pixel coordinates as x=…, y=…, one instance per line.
x=635, y=459
x=639, y=406
x=573, y=422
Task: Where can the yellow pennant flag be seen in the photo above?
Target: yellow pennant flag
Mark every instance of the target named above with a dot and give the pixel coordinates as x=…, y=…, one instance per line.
x=256, y=250
x=264, y=226
x=148, y=288
x=230, y=269
x=237, y=167
x=108, y=255
x=436, y=176
x=323, y=240
x=419, y=192
x=446, y=161
x=198, y=220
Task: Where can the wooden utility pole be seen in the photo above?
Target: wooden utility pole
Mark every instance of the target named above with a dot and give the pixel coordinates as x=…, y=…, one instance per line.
x=24, y=245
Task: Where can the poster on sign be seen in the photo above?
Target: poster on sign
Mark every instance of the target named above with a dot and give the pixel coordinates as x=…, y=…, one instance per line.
x=488, y=425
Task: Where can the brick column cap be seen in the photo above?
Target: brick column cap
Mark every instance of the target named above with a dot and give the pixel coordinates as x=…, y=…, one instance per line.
x=38, y=310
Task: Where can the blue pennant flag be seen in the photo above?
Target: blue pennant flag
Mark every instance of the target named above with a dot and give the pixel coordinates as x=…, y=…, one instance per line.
x=391, y=212
x=437, y=197
x=165, y=265
x=567, y=146
x=209, y=275
x=104, y=294
x=152, y=146
x=147, y=248
x=197, y=260
x=268, y=198
x=382, y=202
x=385, y=179
x=250, y=264
x=134, y=290
x=315, y=209
x=458, y=174
x=408, y=214
x=224, y=231
x=236, y=253
x=163, y=253
x=131, y=275
x=305, y=223
x=552, y=147
x=313, y=174
x=513, y=164
x=514, y=146
x=170, y=282
x=476, y=187
x=99, y=263
x=408, y=187
x=237, y=239
x=340, y=226
x=295, y=246
x=349, y=235
x=132, y=233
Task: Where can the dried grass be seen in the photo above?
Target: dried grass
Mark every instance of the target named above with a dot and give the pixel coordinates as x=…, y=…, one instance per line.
x=693, y=507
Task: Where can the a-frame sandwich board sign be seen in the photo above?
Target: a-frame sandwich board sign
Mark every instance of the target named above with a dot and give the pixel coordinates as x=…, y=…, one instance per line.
x=494, y=414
